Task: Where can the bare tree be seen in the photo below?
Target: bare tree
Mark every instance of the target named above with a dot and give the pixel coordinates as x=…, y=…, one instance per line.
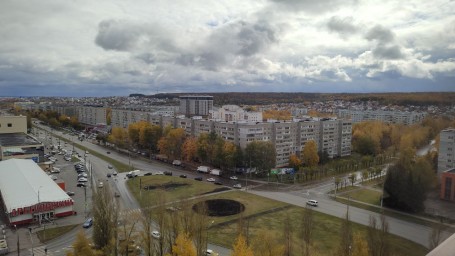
x=378, y=237
x=344, y=248
x=287, y=233
x=435, y=235
x=307, y=230
x=105, y=220
x=127, y=232
x=147, y=228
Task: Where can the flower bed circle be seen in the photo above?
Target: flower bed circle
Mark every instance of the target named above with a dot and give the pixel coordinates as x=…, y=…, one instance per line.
x=219, y=207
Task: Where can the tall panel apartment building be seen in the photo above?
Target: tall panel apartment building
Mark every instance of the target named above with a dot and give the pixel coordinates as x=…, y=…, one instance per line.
x=196, y=105
x=124, y=117
x=387, y=116
x=446, y=156
x=91, y=115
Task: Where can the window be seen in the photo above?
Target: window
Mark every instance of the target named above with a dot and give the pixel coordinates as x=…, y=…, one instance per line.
x=448, y=188
x=10, y=125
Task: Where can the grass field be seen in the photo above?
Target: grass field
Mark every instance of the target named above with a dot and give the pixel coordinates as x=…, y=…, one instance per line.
x=365, y=195
x=51, y=233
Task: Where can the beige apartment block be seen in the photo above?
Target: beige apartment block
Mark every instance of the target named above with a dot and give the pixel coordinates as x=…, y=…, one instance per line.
x=91, y=115
x=13, y=124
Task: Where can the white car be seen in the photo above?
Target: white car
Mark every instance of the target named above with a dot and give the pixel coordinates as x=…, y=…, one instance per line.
x=237, y=185
x=211, y=180
x=100, y=185
x=159, y=173
x=233, y=178
x=55, y=170
x=53, y=177
x=82, y=179
x=312, y=203
x=82, y=175
x=156, y=234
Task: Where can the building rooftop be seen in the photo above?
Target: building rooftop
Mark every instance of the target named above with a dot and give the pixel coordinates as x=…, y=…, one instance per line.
x=451, y=170
x=17, y=139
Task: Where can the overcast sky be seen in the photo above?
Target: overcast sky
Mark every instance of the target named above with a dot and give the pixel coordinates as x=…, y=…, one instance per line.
x=110, y=47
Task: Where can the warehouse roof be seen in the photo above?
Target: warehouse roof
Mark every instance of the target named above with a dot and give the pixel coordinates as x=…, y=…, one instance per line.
x=23, y=183
x=17, y=139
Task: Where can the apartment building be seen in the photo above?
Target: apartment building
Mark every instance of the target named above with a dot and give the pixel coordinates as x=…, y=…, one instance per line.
x=123, y=118
x=13, y=124
x=446, y=156
x=394, y=117
x=195, y=105
x=233, y=113
x=91, y=115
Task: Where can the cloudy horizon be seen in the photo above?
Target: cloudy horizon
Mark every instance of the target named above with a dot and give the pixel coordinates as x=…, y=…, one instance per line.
x=110, y=48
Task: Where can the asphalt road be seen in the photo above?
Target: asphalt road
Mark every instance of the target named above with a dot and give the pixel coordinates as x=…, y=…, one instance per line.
x=414, y=232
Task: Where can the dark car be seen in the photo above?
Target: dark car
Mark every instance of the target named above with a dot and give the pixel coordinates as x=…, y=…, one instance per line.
x=108, y=175
x=182, y=176
x=108, y=152
x=148, y=174
x=218, y=183
x=198, y=178
x=70, y=193
x=83, y=185
x=168, y=173
x=88, y=223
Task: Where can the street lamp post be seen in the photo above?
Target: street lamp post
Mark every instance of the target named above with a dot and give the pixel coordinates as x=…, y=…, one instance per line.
x=31, y=239
x=39, y=212
x=18, y=246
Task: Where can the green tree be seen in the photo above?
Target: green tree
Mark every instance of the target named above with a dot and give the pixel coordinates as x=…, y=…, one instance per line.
x=260, y=155
x=310, y=155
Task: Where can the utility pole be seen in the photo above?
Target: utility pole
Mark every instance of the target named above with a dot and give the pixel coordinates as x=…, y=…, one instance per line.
x=18, y=246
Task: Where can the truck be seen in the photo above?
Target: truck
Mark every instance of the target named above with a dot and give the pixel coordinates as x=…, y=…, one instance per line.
x=203, y=169
x=133, y=174
x=215, y=172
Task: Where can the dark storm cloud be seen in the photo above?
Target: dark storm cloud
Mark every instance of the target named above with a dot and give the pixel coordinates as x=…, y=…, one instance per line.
x=388, y=52
x=312, y=6
x=342, y=26
x=238, y=39
x=380, y=34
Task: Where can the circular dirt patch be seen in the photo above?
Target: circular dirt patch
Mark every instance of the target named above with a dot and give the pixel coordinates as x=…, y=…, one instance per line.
x=219, y=207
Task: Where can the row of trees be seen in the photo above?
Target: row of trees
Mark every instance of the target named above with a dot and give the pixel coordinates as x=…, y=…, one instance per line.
x=208, y=148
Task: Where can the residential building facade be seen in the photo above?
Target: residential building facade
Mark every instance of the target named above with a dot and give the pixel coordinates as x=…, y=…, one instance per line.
x=195, y=105
x=394, y=117
x=446, y=154
x=91, y=115
x=448, y=185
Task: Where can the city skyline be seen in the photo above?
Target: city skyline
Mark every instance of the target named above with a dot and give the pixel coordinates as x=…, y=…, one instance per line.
x=113, y=48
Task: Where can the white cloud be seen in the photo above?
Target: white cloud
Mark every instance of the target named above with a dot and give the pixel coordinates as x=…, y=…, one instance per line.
x=199, y=45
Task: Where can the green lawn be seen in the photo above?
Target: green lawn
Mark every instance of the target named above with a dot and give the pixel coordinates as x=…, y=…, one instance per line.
x=51, y=233
x=325, y=233
x=364, y=195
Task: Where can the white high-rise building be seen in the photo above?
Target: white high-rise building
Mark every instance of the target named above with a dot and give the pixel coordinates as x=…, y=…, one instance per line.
x=234, y=113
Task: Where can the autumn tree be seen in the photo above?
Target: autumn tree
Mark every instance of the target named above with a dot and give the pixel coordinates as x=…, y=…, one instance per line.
x=294, y=161
x=149, y=136
x=171, y=144
x=189, y=149
x=229, y=154
x=344, y=247
x=267, y=244
x=105, y=213
x=183, y=246
x=310, y=155
x=359, y=245
x=241, y=248
x=119, y=137
x=81, y=246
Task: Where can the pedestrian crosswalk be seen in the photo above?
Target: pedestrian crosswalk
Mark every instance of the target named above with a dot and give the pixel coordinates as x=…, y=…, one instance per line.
x=40, y=251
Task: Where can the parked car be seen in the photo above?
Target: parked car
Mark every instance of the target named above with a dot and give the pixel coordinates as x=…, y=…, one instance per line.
x=81, y=185
x=237, y=186
x=110, y=167
x=114, y=173
x=108, y=175
x=156, y=234
x=88, y=223
x=218, y=183
x=55, y=170
x=53, y=177
x=148, y=174
x=312, y=203
x=159, y=173
x=233, y=178
x=82, y=179
x=82, y=175
x=198, y=178
x=108, y=152
x=100, y=185
x=182, y=176
x=70, y=193
x=177, y=162
x=211, y=180
x=167, y=173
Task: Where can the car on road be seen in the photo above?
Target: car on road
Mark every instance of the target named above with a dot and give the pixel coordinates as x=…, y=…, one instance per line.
x=82, y=179
x=100, y=185
x=182, y=176
x=116, y=194
x=81, y=185
x=108, y=152
x=177, y=162
x=53, y=177
x=156, y=234
x=82, y=175
x=55, y=170
x=238, y=185
x=198, y=178
x=233, y=178
x=70, y=193
x=211, y=180
x=148, y=174
x=114, y=173
x=108, y=175
x=167, y=173
x=218, y=183
x=110, y=167
x=88, y=223
x=210, y=252
x=312, y=202
x=159, y=173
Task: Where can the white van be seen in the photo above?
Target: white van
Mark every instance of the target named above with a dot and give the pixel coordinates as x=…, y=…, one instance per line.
x=312, y=203
x=204, y=169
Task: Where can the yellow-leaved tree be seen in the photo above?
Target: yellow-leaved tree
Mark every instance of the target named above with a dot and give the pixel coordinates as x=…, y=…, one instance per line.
x=241, y=248
x=310, y=155
x=183, y=246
